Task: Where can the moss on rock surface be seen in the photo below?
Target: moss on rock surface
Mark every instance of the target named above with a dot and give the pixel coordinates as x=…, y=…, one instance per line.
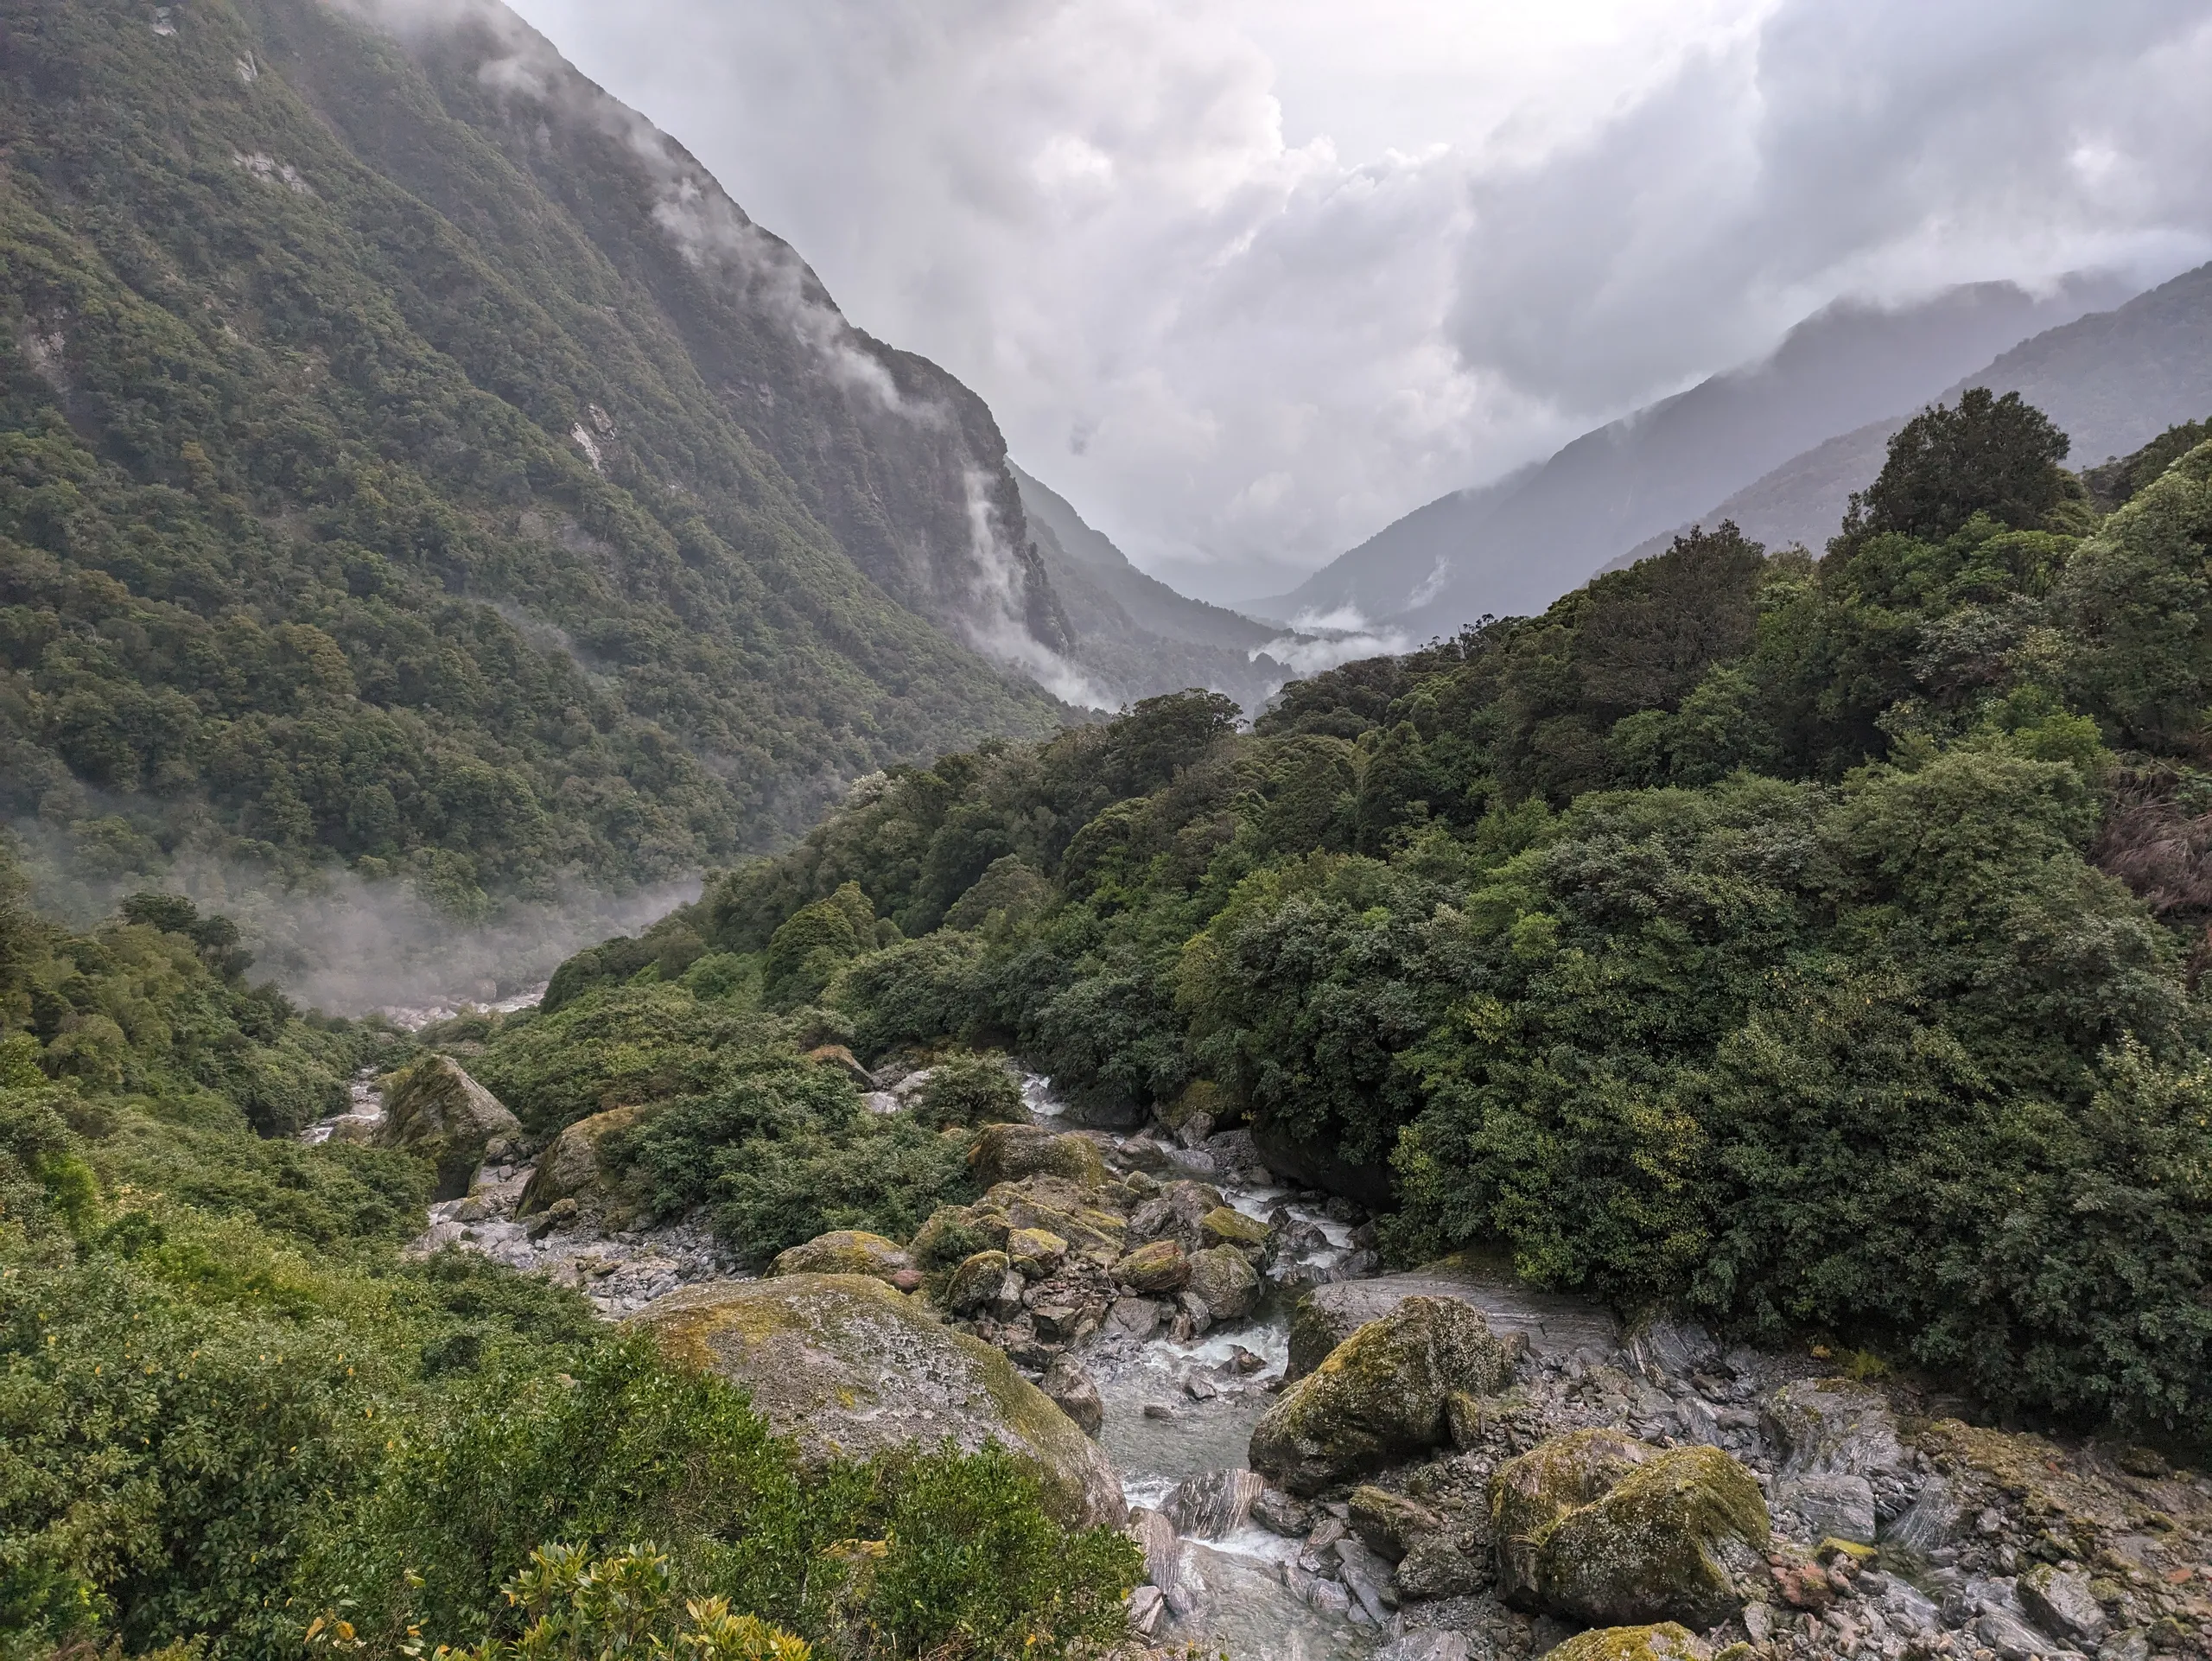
x=848, y=1369
x=844, y=1252
x=572, y=1168
x=977, y=1282
x=1226, y=1225
x=1225, y=1279
x=1596, y=1527
x=1008, y=1153
x=1157, y=1266
x=1667, y=1641
x=1379, y=1396
x=435, y=1110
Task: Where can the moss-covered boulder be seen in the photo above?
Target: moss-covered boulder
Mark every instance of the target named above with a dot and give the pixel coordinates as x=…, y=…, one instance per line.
x=1069, y=1209
x=576, y=1168
x=848, y=1368
x=978, y=1280
x=434, y=1109
x=1036, y=1253
x=1667, y=1641
x=1316, y=1328
x=1225, y=1225
x=1389, y=1523
x=1008, y=1153
x=1225, y=1279
x=1154, y=1267
x=1530, y=1495
x=1679, y=1535
x=1380, y=1396
x=844, y=1251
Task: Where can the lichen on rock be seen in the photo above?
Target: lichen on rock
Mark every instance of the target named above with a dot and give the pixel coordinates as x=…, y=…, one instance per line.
x=1008, y=1153
x=844, y=1251
x=1665, y=1641
x=849, y=1368
x=573, y=1168
x=1379, y=1396
x=434, y=1109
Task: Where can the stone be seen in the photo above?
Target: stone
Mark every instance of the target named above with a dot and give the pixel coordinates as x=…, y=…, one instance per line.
x=1277, y=1512
x=1367, y=1577
x=847, y=1368
x=1194, y=1317
x=1435, y=1567
x=1390, y=1522
x=1036, y=1253
x=1163, y=1553
x=1147, y=1605
x=1226, y=1281
x=1666, y=1641
x=572, y=1168
x=1469, y=1417
x=1431, y=1643
x=2011, y=1638
x=1379, y=1396
x=1075, y=1394
x=1836, y=1504
x=2060, y=1601
x=844, y=1252
x=1666, y=1350
x=1062, y=1323
x=2133, y=1645
x=1225, y=1225
x=1213, y=1505
x=436, y=1110
x=976, y=1283
x=1680, y=1534
x=1008, y=1153
x=1138, y=1317
x=1835, y=1426
x=1930, y=1523
x=1200, y=1388
x=1530, y=1495
x=1160, y=1266
x=838, y=1059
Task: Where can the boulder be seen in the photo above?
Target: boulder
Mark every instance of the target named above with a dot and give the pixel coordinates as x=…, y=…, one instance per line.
x=1430, y=1644
x=1379, y=1396
x=1058, y=1205
x=1214, y=1504
x=572, y=1168
x=1225, y=1225
x=1839, y=1440
x=1139, y=1317
x=848, y=1368
x=1036, y=1253
x=1008, y=1153
x=1390, y=1522
x=844, y=1252
x=1163, y=1553
x=1316, y=1327
x=434, y=1109
x=1665, y=1642
x=1158, y=1267
x=1436, y=1567
x=1074, y=1394
x=2060, y=1601
x=1680, y=1534
x=977, y=1282
x=1226, y=1281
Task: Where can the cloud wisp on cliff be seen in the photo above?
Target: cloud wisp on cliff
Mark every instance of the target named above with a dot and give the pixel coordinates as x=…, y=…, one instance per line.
x=1249, y=280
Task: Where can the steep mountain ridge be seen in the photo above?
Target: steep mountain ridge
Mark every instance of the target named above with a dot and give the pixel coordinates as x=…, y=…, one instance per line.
x=1514, y=546
x=1137, y=636
x=2112, y=380
x=409, y=454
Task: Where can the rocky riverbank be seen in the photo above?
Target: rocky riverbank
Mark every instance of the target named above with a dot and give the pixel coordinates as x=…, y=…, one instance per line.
x=1323, y=1461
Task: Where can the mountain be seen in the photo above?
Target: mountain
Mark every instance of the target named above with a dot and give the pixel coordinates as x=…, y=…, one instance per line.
x=2113, y=381
x=1134, y=635
x=1516, y=545
x=410, y=457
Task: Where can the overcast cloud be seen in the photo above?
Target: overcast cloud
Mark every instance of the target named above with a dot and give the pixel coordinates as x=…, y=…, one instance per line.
x=1246, y=280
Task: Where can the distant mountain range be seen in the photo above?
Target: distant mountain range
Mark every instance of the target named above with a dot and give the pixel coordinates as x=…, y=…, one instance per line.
x=1516, y=545
x=2113, y=381
x=1133, y=634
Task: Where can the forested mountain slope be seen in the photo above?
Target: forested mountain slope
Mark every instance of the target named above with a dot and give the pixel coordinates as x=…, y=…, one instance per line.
x=2112, y=380
x=409, y=455
x=1812, y=944
x=1517, y=545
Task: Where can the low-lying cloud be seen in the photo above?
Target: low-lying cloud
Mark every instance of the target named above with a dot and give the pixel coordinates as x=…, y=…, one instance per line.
x=1246, y=281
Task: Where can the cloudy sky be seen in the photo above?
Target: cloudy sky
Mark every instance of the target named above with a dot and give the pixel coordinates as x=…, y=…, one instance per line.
x=1247, y=279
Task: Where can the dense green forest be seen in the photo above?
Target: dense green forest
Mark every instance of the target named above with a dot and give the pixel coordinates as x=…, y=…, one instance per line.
x=381, y=480
x=1815, y=945
x=235, y=1421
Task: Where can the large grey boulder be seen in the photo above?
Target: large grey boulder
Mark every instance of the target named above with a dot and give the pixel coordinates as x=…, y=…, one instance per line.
x=434, y=1109
x=849, y=1368
x=1844, y=1458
